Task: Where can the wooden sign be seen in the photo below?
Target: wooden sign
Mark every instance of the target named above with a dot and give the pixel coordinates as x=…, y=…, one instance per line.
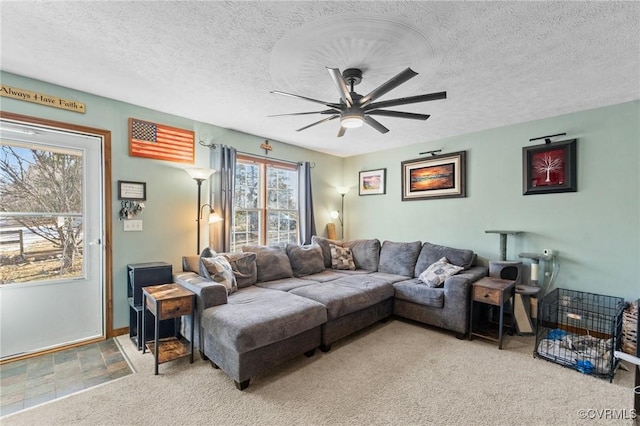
x=151, y=140
x=42, y=99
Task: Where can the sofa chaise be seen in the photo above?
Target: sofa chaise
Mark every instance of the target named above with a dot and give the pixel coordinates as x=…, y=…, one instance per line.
x=266, y=305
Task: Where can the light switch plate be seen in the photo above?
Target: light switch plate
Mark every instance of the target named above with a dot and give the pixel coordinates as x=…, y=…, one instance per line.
x=134, y=225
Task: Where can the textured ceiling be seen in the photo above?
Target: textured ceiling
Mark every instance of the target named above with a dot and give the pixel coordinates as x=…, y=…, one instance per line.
x=500, y=62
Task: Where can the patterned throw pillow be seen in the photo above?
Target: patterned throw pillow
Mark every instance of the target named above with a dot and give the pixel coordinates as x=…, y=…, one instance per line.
x=438, y=272
x=220, y=271
x=341, y=258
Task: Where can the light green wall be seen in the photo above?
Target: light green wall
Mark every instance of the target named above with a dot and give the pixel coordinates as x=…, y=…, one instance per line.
x=596, y=230
x=169, y=218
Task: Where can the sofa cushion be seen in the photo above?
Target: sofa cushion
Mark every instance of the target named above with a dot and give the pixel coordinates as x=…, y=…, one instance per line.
x=272, y=262
x=244, y=268
x=219, y=270
x=366, y=253
x=414, y=291
x=326, y=250
x=326, y=275
x=305, y=260
x=431, y=253
x=399, y=258
x=438, y=272
x=286, y=284
x=349, y=294
x=341, y=258
x=255, y=317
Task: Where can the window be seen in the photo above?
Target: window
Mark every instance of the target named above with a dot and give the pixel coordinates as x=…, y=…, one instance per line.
x=265, y=203
x=41, y=220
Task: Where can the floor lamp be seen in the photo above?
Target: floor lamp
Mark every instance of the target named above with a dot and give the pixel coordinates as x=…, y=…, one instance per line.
x=342, y=190
x=200, y=175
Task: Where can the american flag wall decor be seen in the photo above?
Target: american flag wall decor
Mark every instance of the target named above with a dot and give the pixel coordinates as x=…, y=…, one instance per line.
x=151, y=140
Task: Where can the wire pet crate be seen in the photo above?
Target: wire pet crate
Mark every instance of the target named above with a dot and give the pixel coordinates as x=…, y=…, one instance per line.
x=580, y=330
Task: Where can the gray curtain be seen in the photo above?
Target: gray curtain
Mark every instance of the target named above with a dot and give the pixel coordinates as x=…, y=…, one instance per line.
x=223, y=161
x=307, y=221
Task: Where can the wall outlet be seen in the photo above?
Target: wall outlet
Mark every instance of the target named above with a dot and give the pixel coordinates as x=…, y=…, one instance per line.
x=134, y=225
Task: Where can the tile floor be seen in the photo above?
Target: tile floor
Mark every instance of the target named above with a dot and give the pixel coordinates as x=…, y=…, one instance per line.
x=32, y=381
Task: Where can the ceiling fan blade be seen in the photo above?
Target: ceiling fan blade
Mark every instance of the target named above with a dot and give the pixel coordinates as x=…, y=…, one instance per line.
x=394, y=82
x=326, y=111
x=318, y=122
x=407, y=100
x=336, y=76
x=398, y=114
x=342, y=131
x=375, y=124
x=291, y=95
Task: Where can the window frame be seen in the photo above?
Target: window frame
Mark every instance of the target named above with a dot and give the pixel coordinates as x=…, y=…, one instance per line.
x=263, y=209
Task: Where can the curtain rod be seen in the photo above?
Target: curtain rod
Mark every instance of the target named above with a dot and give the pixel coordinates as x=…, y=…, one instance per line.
x=297, y=163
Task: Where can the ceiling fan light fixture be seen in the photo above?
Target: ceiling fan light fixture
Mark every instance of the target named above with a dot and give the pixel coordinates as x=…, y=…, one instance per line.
x=351, y=121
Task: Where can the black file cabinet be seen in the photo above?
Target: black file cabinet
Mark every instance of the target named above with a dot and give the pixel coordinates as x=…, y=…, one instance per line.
x=141, y=275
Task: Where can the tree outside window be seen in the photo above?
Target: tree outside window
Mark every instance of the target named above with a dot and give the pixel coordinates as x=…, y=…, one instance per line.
x=265, y=203
x=40, y=214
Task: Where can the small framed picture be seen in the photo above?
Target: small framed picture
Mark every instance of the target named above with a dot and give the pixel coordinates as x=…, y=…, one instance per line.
x=373, y=182
x=550, y=168
x=438, y=176
x=132, y=190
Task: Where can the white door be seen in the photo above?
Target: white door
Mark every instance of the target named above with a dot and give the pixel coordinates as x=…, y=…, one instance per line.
x=51, y=233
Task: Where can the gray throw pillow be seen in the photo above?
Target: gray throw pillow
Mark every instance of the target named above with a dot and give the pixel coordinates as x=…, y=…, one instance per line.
x=272, y=262
x=244, y=268
x=220, y=271
x=366, y=253
x=305, y=260
x=205, y=253
x=324, y=245
x=431, y=253
x=341, y=258
x=399, y=258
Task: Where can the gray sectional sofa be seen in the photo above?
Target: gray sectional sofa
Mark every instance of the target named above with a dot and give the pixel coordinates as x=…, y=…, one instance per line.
x=286, y=301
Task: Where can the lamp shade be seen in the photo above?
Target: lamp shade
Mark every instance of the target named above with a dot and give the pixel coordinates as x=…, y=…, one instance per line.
x=342, y=190
x=198, y=173
x=334, y=214
x=214, y=217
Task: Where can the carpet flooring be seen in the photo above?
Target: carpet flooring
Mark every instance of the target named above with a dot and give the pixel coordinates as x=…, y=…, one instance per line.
x=396, y=373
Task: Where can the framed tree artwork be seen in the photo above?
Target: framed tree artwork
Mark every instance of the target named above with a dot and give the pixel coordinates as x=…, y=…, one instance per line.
x=550, y=168
x=438, y=176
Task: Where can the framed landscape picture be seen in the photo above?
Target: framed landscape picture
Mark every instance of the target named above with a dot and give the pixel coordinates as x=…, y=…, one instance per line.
x=373, y=182
x=550, y=168
x=438, y=176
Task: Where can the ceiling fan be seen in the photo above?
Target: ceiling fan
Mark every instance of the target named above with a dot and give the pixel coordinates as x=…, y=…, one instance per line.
x=354, y=109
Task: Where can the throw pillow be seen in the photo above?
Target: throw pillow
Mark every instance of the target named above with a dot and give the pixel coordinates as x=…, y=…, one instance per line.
x=399, y=258
x=305, y=260
x=438, y=272
x=220, y=271
x=341, y=258
x=244, y=268
x=271, y=261
x=205, y=253
x=430, y=253
x=326, y=250
x=366, y=253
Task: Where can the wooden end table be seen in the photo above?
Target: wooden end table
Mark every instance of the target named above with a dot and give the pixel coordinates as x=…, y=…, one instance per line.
x=167, y=301
x=495, y=292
